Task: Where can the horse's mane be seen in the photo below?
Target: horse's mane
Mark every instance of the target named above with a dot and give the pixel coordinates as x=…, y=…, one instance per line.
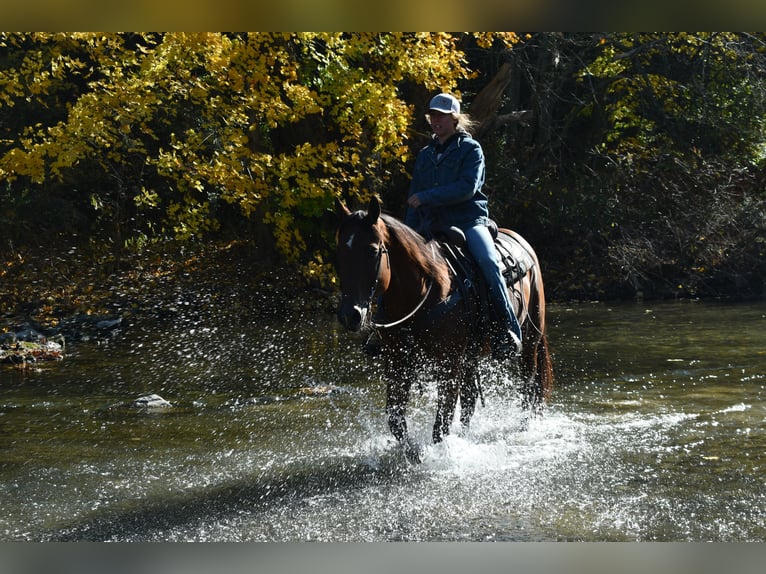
x=420, y=250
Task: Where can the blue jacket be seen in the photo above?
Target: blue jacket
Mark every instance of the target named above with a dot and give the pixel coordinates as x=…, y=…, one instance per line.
x=449, y=186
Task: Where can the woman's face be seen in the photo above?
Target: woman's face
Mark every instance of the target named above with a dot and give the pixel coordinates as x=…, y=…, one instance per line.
x=443, y=125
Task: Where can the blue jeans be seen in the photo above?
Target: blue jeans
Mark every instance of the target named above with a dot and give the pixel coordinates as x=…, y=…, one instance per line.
x=482, y=247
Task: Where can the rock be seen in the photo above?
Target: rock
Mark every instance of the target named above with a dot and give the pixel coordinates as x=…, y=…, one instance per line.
x=151, y=402
x=22, y=351
x=7, y=338
x=108, y=324
x=87, y=327
x=30, y=334
x=319, y=391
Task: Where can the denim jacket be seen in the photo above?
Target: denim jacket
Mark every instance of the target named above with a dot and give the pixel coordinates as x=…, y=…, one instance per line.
x=449, y=186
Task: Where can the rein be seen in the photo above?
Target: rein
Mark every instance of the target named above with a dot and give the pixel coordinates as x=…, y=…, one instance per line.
x=382, y=249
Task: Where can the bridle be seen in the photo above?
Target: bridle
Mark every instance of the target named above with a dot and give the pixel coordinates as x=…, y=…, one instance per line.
x=381, y=251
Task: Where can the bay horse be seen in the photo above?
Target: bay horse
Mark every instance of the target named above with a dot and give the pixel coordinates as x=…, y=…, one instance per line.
x=379, y=257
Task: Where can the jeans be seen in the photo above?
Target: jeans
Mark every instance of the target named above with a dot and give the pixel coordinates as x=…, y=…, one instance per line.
x=482, y=247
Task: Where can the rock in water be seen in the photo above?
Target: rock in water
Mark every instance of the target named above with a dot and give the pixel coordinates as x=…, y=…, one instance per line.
x=151, y=402
x=108, y=324
x=21, y=351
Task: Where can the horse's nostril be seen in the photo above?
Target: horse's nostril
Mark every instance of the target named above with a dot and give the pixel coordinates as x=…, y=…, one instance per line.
x=351, y=318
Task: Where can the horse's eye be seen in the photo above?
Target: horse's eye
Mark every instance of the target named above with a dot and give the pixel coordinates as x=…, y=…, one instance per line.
x=373, y=250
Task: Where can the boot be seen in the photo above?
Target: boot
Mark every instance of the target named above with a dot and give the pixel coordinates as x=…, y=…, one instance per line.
x=505, y=345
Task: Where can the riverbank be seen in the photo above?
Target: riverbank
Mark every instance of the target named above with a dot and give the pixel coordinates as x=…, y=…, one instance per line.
x=79, y=291
x=83, y=290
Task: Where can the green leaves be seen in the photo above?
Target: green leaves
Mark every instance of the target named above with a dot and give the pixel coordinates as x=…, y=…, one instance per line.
x=677, y=91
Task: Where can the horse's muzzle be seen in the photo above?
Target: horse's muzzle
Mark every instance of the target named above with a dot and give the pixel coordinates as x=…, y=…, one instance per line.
x=352, y=317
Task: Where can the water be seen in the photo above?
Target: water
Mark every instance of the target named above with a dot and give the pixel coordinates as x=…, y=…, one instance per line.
x=277, y=433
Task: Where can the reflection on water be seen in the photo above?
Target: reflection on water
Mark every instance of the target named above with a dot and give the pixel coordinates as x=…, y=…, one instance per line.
x=277, y=432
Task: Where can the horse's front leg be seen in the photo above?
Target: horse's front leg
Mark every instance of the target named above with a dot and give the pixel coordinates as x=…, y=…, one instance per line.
x=447, y=395
x=397, y=396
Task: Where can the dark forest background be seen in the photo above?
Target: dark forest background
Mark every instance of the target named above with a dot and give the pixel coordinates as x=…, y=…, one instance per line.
x=634, y=163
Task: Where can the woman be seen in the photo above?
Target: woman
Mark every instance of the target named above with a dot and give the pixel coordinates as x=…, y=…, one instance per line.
x=446, y=191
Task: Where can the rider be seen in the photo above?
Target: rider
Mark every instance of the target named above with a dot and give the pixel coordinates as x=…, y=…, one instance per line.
x=446, y=191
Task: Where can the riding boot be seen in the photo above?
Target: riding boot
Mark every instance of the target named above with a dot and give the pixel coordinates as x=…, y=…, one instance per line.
x=505, y=344
x=506, y=339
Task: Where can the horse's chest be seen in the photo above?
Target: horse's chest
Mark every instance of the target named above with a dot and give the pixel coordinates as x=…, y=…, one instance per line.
x=442, y=337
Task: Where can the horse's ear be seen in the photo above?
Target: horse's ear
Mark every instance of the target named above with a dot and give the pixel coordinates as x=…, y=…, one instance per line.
x=373, y=210
x=340, y=208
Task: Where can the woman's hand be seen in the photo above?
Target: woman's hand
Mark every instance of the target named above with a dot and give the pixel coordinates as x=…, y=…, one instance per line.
x=414, y=201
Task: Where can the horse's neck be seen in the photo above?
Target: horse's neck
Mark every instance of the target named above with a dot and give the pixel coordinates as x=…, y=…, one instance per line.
x=410, y=281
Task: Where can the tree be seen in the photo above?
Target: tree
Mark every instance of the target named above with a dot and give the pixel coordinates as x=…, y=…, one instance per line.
x=639, y=156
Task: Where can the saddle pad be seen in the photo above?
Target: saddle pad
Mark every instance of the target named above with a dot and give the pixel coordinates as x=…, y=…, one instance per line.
x=515, y=260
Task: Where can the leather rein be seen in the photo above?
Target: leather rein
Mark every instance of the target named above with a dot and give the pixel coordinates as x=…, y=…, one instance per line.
x=381, y=251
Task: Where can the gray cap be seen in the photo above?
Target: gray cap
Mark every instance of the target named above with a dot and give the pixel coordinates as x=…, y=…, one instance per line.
x=445, y=103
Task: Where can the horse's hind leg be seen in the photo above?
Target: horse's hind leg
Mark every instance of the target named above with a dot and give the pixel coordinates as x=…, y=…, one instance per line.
x=448, y=393
x=532, y=400
x=445, y=407
x=532, y=390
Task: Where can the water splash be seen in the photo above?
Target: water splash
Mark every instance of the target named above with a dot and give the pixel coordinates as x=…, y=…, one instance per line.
x=632, y=452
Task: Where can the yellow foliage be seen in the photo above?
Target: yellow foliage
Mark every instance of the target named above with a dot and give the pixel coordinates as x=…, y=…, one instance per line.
x=275, y=123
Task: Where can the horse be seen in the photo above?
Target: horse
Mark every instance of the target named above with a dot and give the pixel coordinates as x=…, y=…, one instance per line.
x=380, y=258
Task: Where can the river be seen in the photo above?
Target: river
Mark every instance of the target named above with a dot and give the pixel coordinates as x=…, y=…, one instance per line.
x=276, y=432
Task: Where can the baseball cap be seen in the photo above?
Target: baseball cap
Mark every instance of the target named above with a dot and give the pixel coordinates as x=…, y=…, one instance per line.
x=445, y=103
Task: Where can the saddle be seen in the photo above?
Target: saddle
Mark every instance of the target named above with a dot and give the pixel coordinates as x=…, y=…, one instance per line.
x=514, y=258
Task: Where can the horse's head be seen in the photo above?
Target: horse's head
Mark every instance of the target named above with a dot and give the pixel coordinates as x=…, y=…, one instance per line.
x=361, y=261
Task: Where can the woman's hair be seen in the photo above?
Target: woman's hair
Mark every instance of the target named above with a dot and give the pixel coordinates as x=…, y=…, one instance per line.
x=465, y=123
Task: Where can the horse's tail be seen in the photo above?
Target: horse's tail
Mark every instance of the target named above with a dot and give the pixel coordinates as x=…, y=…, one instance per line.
x=536, y=359
x=544, y=363
x=543, y=367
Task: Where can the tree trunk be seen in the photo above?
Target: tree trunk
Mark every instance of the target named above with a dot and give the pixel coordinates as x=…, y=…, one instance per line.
x=484, y=109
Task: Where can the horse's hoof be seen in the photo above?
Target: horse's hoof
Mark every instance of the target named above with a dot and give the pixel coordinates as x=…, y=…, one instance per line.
x=412, y=452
